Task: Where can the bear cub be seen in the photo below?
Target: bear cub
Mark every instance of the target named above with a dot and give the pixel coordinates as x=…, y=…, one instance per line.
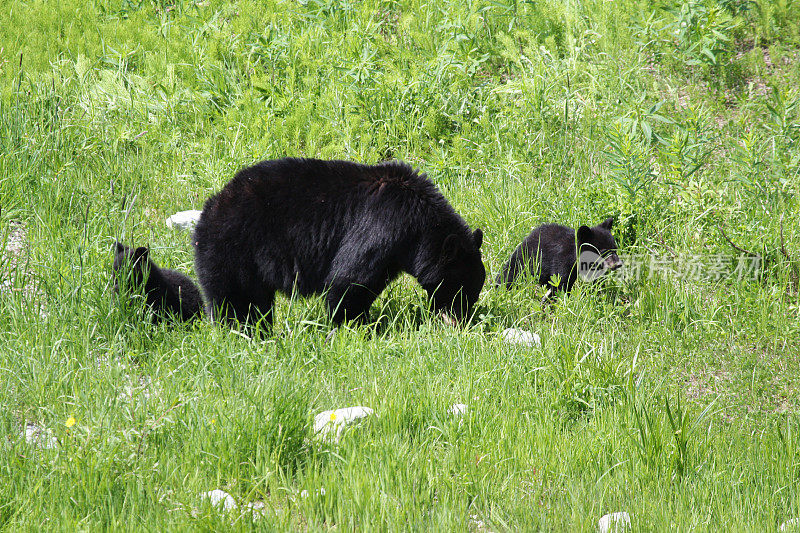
x=167, y=292
x=553, y=250
x=336, y=228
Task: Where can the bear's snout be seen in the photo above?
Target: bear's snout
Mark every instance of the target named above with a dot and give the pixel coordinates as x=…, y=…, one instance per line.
x=613, y=262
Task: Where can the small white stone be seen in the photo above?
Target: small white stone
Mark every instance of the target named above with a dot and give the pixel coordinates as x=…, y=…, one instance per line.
x=458, y=409
x=317, y=492
x=789, y=525
x=619, y=521
x=184, y=219
x=219, y=498
x=520, y=336
x=255, y=509
x=329, y=425
x=254, y=506
x=40, y=437
x=477, y=525
x=16, y=238
x=144, y=389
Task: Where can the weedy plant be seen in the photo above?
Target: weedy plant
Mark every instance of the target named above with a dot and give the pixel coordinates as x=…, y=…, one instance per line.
x=668, y=442
x=637, y=195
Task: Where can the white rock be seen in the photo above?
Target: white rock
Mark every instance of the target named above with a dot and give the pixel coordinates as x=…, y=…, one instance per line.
x=255, y=509
x=317, y=492
x=619, y=521
x=16, y=238
x=458, y=409
x=477, y=525
x=105, y=361
x=219, y=498
x=789, y=525
x=329, y=425
x=40, y=437
x=184, y=219
x=6, y=287
x=144, y=389
x=520, y=336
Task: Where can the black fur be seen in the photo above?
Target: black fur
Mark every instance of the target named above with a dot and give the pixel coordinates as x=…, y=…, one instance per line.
x=551, y=250
x=337, y=227
x=167, y=292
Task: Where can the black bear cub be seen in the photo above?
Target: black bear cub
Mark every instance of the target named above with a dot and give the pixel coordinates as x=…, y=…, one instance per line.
x=167, y=292
x=553, y=250
x=334, y=227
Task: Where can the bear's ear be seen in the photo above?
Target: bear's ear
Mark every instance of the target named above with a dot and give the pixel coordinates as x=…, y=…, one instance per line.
x=141, y=253
x=477, y=238
x=450, y=248
x=584, y=234
x=607, y=223
x=119, y=247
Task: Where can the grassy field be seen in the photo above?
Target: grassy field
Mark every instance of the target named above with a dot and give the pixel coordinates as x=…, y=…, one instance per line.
x=669, y=391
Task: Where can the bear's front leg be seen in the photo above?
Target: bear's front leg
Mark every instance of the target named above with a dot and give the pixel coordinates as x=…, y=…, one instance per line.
x=348, y=301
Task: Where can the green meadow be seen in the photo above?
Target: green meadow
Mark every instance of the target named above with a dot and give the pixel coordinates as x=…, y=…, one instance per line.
x=668, y=390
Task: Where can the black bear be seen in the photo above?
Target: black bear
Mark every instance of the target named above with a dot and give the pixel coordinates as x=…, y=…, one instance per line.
x=335, y=227
x=554, y=250
x=167, y=292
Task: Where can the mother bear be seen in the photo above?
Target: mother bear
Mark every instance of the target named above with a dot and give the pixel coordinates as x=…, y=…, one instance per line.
x=334, y=227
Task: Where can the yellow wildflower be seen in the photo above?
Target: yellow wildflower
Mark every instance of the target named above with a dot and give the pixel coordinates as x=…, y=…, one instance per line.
x=70, y=422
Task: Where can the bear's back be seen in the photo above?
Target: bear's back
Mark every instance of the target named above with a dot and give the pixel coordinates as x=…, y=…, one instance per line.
x=335, y=181
x=293, y=222
x=179, y=294
x=326, y=197
x=550, y=240
x=552, y=246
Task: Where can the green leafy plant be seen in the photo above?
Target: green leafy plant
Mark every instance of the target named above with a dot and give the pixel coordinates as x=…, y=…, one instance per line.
x=637, y=197
x=704, y=33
